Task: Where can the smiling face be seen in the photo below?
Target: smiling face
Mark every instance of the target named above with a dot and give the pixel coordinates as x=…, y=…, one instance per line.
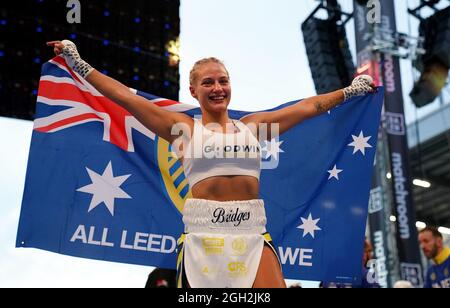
x=210, y=85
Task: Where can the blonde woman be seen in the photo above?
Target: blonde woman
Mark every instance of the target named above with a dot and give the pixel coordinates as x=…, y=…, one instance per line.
x=225, y=243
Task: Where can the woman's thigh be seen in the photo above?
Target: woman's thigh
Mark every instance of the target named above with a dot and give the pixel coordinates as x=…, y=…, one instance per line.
x=269, y=273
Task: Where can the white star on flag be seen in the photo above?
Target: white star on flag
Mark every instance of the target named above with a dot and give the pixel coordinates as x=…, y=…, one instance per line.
x=309, y=225
x=360, y=143
x=272, y=148
x=334, y=173
x=105, y=188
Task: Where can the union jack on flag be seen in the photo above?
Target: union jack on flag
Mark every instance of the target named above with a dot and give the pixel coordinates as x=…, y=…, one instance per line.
x=86, y=104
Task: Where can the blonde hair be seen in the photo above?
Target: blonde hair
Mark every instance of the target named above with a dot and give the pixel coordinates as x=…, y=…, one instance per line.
x=192, y=74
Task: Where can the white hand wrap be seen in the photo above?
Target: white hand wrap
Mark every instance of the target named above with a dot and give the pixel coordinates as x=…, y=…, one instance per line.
x=74, y=60
x=361, y=85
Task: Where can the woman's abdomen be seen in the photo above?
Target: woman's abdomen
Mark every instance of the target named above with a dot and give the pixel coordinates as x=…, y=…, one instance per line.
x=226, y=188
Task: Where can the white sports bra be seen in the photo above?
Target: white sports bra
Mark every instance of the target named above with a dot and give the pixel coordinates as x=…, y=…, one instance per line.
x=211, y=153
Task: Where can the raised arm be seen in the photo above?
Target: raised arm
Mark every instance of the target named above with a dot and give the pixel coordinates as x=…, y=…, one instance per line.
x=308, y=108
x=156, y=119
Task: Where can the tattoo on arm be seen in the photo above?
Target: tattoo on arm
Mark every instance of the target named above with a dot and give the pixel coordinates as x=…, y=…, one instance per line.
x=325, y=105
x=319, y=107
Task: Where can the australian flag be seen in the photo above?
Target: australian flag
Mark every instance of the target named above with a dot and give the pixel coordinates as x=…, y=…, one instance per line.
x=100, y=185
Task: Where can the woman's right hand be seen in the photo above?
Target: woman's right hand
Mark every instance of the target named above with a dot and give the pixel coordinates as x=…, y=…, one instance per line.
x=69, y=50
x=57, y=46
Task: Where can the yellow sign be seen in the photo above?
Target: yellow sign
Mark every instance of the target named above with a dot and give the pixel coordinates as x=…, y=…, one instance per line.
x=172, y=173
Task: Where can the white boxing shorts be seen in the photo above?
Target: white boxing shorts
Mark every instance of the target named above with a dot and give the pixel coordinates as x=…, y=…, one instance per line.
x=222, y=243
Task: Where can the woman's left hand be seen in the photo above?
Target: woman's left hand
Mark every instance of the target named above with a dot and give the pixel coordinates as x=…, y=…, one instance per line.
x=361, y=85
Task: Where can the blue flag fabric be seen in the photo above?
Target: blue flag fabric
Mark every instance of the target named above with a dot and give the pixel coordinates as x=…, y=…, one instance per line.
x=99, y=185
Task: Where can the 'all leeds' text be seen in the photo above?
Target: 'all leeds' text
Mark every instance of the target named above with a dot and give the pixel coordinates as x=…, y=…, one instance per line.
x=137, y=241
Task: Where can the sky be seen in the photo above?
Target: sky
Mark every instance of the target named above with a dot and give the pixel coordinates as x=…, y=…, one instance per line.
x=260, y=42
